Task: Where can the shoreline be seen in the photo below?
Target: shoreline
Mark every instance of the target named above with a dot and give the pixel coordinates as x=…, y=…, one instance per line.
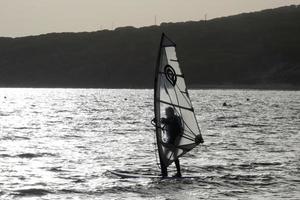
x=284, y=87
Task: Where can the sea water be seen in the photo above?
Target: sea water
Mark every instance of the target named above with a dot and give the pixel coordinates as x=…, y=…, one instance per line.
x=61, y=144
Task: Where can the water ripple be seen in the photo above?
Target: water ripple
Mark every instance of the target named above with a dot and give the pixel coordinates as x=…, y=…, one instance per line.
x=60, y=143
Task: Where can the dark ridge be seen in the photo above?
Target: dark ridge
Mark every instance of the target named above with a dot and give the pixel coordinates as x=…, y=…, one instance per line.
x=232, y=126
x=246, y=177
x=4, y=156
x=70, y=191
x=250, y=50
x=32, y=155
x=27, y=155
x=32, y=192
x=15, y=138
x=56, y=169
x=266, y=163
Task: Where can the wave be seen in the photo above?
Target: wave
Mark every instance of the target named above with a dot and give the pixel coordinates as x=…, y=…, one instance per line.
x=56, y=169
x=4, y=156
x=2, y=114
x=245, y=125
x=31, y=192
x=111, y=190
x=72, y=135
x=232, y=126
x=144, y=191
x=255, y=125
x=61, y=111
x=211, y=168
x=239, y=177
x=243, y=166
x=33, y=155
x=265, y=163
x=274, y=150
x=73, y=191
x=14, y=138
x=25, y=128
x=224, y=118
x=255, y=164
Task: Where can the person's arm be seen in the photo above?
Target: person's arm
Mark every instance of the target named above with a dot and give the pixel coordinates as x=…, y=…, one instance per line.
x=164, y=120
x=153, y=121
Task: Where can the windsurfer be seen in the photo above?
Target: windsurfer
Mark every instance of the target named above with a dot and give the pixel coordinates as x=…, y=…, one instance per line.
x=173, y=129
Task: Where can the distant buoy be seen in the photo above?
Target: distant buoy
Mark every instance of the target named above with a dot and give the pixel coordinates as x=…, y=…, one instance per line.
x=248, y=99
x=224, y=104
x=4, y=97
x=125, y=99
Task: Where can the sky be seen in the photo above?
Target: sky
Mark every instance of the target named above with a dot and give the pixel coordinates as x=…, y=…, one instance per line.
x=33, y=17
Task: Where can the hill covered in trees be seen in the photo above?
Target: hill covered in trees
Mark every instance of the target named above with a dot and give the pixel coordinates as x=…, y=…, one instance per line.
x=252, y=49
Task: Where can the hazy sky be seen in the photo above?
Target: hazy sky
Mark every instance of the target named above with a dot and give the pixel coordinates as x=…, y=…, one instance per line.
x=32, y=17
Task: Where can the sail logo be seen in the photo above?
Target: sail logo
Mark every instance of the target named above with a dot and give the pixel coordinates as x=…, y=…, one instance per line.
x=170, y=74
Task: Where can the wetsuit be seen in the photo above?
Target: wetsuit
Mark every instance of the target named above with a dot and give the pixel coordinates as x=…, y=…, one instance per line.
x=173, y=128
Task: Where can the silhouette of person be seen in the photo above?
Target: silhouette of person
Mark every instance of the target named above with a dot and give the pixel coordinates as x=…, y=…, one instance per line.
x=173, y=127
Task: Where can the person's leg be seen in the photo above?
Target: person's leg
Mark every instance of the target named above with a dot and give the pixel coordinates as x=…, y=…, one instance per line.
x=164, y=171
x=178, y=174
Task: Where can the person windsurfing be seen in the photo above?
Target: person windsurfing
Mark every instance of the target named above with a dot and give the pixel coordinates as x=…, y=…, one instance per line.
x=177, y=131
x=173, y=128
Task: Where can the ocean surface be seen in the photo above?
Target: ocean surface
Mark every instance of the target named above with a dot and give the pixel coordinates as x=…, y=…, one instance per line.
x=61, y=144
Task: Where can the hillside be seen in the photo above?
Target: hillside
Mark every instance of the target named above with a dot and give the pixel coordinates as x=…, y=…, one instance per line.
x=252, y=49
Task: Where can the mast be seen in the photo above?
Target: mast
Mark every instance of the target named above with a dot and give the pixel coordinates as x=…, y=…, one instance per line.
x=163, y=167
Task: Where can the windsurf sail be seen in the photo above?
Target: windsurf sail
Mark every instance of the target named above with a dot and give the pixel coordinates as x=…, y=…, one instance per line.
x=170, y=91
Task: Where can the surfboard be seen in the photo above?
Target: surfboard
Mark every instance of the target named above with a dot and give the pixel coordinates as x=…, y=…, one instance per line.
x=134, y=175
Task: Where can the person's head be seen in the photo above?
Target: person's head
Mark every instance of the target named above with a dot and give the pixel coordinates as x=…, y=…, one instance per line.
x=169, y=111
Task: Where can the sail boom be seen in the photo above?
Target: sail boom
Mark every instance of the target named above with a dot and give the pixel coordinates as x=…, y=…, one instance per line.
x=178, y=106
x=171, y=45
x=178, y=75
